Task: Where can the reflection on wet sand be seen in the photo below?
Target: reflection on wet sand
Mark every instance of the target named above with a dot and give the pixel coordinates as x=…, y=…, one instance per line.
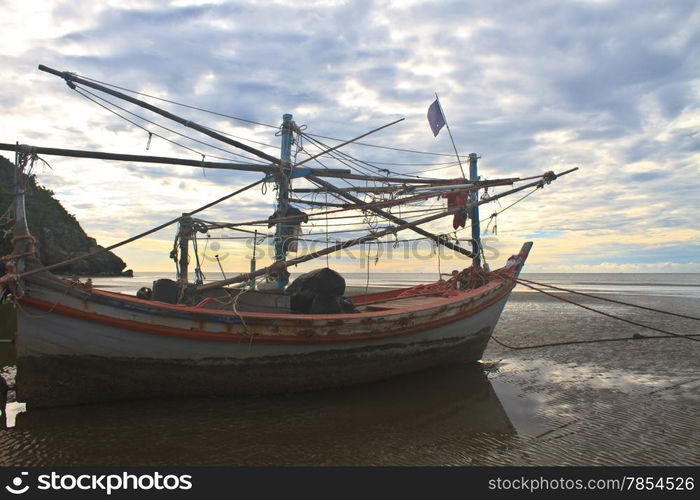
x=422, y=418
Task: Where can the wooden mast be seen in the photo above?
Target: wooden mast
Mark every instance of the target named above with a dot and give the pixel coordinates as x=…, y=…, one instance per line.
x=283, y=180
x=184, y=235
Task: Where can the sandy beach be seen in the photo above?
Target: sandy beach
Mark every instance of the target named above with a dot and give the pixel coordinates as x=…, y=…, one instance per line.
x=634, y=402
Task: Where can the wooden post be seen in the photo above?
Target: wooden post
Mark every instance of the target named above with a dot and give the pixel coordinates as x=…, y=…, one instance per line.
x=184, y=235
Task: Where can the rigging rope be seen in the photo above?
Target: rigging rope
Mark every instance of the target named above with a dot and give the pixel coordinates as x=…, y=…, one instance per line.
x=357, y=161
x=592, y=341
x=253, y=122
x=138, y=236
x=178, y=103
x=80, y=91
x=385, y=147
x=349, y=162
x=606, y=299
x=518, y=280
x=363, y=207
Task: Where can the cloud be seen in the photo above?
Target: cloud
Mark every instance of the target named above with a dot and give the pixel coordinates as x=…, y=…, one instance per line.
x=611, y=87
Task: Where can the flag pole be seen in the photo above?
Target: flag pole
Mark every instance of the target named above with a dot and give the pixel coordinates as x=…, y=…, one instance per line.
x=450, y=132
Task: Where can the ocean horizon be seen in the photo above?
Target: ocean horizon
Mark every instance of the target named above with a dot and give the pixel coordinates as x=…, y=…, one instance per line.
x=667, y=284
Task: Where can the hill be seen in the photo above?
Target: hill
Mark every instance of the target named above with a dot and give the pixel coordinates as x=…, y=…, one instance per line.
x=58, y=233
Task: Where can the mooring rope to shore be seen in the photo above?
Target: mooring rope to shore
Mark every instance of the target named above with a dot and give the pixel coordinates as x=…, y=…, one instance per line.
x=606, y=299
x=592, y=341
x=667, y=334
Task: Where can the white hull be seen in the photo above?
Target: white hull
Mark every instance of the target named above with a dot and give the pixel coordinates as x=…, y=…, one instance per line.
x=76, y=346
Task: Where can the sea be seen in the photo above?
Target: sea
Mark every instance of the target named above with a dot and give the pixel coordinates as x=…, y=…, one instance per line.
x=629, y=396
x=680, y=285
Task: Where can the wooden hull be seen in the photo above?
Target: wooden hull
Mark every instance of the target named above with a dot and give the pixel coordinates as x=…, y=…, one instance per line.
x=76, y=346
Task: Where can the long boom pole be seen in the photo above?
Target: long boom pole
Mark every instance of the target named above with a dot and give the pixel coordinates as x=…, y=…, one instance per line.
x=326, y=151
x=392, y=189
x=71, y=79
x=101, y=155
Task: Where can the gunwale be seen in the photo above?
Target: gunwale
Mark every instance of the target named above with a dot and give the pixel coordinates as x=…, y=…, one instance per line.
x=463, y=305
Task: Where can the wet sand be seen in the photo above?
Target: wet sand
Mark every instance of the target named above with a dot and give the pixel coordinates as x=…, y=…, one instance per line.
x=615, y=403
x=633, y=402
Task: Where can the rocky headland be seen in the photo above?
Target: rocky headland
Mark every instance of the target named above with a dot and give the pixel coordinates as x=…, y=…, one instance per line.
x=58, y=233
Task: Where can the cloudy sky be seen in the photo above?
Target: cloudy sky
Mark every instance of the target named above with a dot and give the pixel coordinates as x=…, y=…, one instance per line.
x=612, y=87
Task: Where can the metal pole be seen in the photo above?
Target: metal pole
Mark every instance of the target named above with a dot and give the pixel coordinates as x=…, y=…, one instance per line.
x=101, y=155
x=474, y=211
x=450, y=134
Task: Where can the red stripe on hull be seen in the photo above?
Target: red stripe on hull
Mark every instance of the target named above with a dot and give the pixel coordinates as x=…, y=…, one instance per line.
x=233, y=337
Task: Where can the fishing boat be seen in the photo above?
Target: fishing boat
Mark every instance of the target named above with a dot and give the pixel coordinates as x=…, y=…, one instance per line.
x=254, y=332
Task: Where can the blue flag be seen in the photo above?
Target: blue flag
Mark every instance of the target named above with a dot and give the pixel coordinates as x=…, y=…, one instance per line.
x=435, y=118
